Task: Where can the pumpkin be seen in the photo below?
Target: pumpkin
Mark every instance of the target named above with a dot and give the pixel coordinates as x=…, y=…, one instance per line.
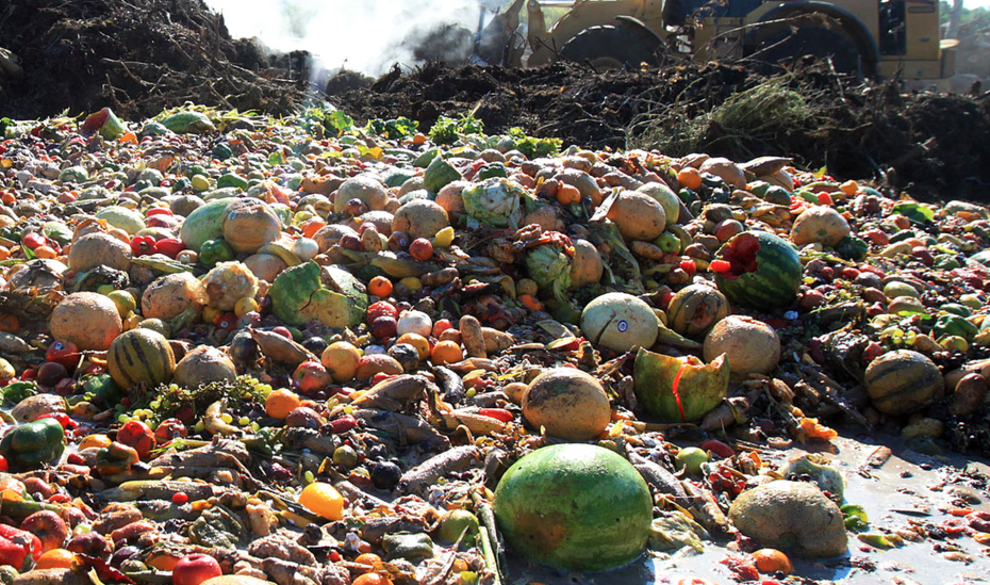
x=140, y=356
x=250, y=224
x=695, y=309
x=96, y=249
x=749, y=345
x=420, y=218
x=758, y=270
x=204, y=365
x=367, y=189
x=169, y=295
x=638, y=215
x=586, y=266
x=88, y=319
x=819, y=224
x=903, y=382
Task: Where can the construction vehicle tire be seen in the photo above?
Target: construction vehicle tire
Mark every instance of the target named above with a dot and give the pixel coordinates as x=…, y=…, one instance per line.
x=611, y=46
x=822, y=41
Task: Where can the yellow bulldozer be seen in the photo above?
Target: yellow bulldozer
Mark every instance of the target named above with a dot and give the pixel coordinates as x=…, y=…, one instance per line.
x=865, y=37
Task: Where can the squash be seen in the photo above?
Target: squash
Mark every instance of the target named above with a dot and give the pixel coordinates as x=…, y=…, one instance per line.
x=204, y=223
x=140, y=356
x=819, y=224
x=265, y=266
x=695, y=309
x=88, y=319
x=749, y=345
x=96, y=249
x=569, y=403
x=250, y=224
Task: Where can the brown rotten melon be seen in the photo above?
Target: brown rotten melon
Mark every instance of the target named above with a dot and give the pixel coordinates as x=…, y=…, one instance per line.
x=88, y=319
x=569, y=403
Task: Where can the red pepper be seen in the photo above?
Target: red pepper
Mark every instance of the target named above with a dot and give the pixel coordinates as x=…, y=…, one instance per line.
x=824, y=198
x=496, y=413
x=62, y=418
x=143, y=245
x=4, y=466
x=14, y=539
x=158, y=211
x=689, y=266
x=380, y=377
x=343, y=424
x=170, y=247
x=717, y=448
x=34, y=240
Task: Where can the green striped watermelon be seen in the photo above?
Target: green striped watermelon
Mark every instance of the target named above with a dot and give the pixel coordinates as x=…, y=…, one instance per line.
x=140, y=356
x=758, y=270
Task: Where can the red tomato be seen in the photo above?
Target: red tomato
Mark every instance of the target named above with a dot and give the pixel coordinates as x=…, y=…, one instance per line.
x=138, y=435
x=170, y=247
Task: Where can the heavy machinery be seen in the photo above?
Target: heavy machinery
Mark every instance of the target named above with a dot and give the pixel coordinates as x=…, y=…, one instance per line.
x=866, y=37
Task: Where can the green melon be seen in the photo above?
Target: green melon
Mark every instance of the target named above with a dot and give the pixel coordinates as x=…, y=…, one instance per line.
x=140, y=356
x=204, y=223
x=574, y=506
x=765, y=271
x=695, y=309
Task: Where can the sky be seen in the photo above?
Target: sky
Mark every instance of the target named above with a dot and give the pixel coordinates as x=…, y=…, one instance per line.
x=363, y=35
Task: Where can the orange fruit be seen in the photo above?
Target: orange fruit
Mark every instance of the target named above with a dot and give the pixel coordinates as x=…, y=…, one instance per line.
x=9, y=198
x=372, y=579
x=567, y=194
x=380, y=287
x=4, y=252
x=57, y=558
x=416, y=340
x=162, y=560
x=323, y=500
x=97, y=441
x=368, y=559
x=312, y=226
x=689, y=177
x=341, y=360
x=446, y=352
x=45, y=252
x=530, y=303
x=281, y=402
x=770, y=560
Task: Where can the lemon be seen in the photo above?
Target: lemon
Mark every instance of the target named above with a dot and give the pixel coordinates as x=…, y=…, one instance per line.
x=323, y=500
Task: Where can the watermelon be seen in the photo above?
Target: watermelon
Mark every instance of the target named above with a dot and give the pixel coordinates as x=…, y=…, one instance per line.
x=140, y=356
x=758, y=270
x=574, y=506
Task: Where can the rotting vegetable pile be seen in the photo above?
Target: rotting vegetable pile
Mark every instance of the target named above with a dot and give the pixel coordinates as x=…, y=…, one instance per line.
x=246, y=349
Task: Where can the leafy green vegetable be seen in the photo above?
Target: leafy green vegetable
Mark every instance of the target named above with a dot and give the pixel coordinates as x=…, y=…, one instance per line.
x=550, y=267
x=914, y=211
x=534, y=147
x=854, y=517
x=16, y=391
x=339, y=121
x=4, y=124
x=397, y=129
x=447, y=130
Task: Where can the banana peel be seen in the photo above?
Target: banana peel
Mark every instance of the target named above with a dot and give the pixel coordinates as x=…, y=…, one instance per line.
x=282, y=249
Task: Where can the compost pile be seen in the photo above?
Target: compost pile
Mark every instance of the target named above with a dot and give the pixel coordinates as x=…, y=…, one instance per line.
x=139, y=58
x=929, y=145
x=238, y=348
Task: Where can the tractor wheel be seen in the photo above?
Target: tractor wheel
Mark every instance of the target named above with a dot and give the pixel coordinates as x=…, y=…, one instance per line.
x=611, y=46
x=825, y=42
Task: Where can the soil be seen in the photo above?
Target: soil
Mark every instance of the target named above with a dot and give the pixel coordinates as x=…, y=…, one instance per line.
x=140, y=58
x=929, y=145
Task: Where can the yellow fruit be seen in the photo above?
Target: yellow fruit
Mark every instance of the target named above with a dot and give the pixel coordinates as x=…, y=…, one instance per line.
x=124, y=300
x=281, y=402
x=57, y=558
x=444, y=237
x=341, y=361
x=416, y=340
x=412, y=283
x=245, y=305
x=323, y=500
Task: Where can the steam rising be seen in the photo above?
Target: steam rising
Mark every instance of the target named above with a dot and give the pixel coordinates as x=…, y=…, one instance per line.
x=361, y=35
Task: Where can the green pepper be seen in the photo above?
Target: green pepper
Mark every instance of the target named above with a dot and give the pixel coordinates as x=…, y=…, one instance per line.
x=31, y=445
x=215, y=251
x=101, y=390
x=950, y=324
x=116, y=458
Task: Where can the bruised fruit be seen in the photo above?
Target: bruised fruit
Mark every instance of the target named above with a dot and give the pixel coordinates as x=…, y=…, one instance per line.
x=569, y=403
x=576, y=507
x=750, y=346
x=758, y=270
x=620, y=322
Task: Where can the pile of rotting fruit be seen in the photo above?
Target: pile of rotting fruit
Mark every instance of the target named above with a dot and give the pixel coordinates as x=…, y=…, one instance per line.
x=243, y=350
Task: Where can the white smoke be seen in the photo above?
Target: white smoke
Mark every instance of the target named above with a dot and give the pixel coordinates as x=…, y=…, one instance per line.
x=361, y=35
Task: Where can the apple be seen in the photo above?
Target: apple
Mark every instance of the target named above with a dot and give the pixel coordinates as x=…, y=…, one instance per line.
x=170, y=429
x=691, y=458
x=421, y=249
x=384, y=328
x=311, y=376
x=47, y=526
x=63, y=352
x=194, y=569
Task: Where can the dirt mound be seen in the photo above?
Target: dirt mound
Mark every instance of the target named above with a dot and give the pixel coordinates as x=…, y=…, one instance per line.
x=932, y=146
x=137, y=58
